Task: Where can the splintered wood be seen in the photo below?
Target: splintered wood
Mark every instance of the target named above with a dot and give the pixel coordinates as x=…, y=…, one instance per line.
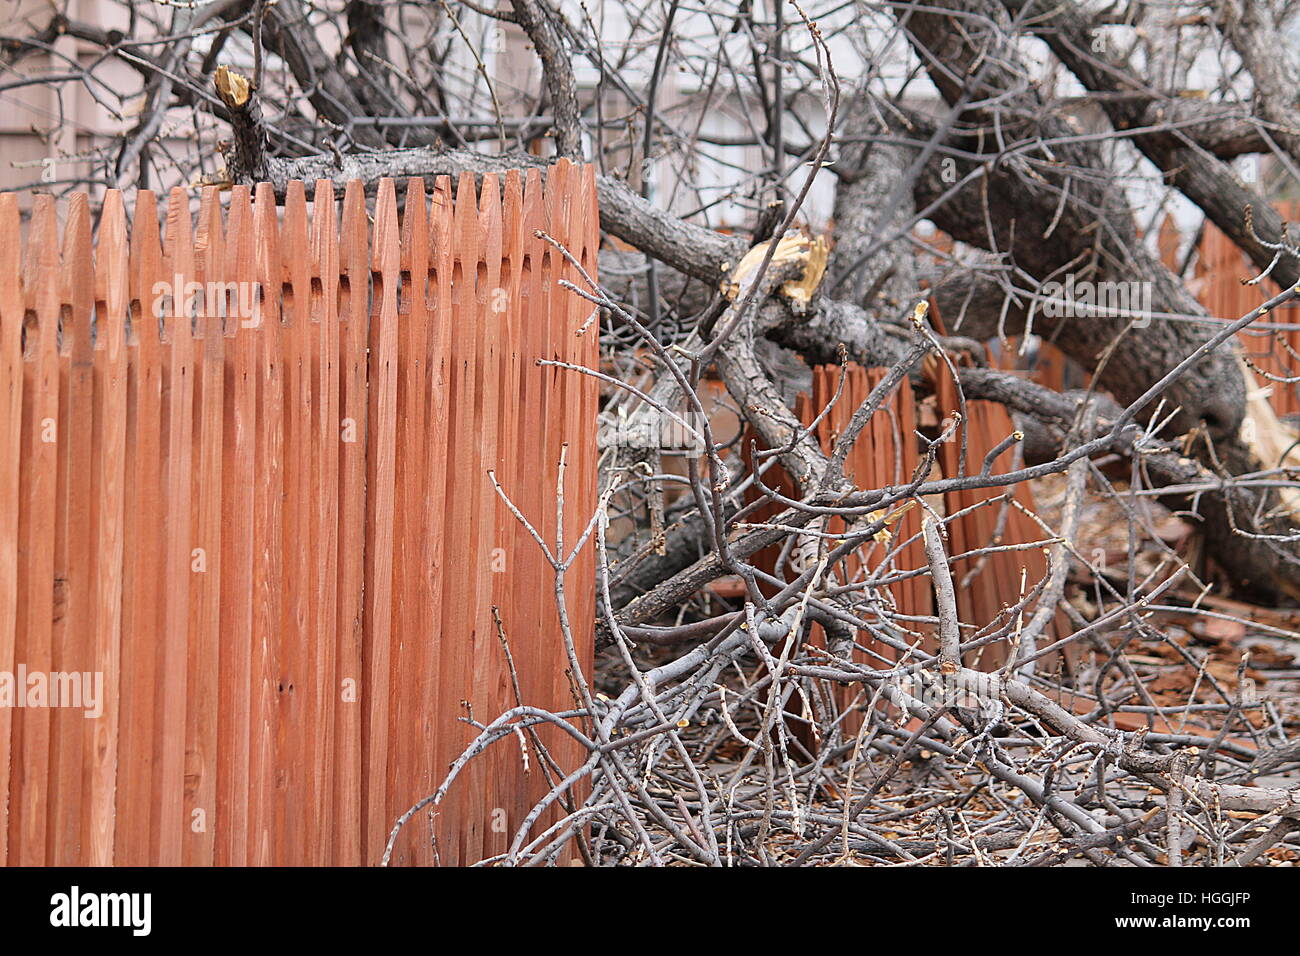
x=249, y=548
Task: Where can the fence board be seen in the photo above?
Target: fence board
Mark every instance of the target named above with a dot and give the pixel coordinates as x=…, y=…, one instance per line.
x=239, y=477
x=325, y=324
x=576, y=347
x=172, y=690
x=587, y=398
x=353, y=299
x=204, y=661
x=142, y=607
x=457, y=601
x=550, y=408
x=529, y=494
x=73, y=580
x=507, y=466
x=409, y=591
x=381, y=478
x=108, y=520
x=416, y=726
x=487, y=656
x=268, y=531
x=29, y=784
x=12, y=313
x=434, y=701
x=294, y=633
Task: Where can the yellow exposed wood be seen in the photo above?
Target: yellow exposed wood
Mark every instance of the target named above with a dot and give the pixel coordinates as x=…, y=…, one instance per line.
x=231, y=87
x=793, y=246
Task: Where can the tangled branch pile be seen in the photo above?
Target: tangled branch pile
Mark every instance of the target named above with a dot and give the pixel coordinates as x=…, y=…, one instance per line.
x=745, y=749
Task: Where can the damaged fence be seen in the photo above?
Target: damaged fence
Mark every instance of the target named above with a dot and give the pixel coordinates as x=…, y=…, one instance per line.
x=996, y=542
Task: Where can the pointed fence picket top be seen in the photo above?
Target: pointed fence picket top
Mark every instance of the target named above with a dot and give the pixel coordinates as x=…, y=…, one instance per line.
x=246, y=467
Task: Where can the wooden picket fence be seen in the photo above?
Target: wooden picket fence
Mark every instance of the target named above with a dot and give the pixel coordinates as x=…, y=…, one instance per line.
x=274, y=535
x=997, y=547
x=885, y=454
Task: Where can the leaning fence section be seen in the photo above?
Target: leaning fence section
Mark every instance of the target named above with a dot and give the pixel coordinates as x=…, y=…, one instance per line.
x=257, y=583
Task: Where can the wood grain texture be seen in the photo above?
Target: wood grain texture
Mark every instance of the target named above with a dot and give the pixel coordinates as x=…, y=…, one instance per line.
x=353, y=304
x=203, y=671
x=74, y=582
x=12, y=378
x=239, y=479
x=30, y=773
x=144, y=509
x=294, y=636
x=171, y=691
x=380, y=510
x=268, y=532
x=325, y=329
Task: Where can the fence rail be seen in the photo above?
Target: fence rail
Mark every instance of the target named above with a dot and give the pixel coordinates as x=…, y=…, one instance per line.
x=244, y=498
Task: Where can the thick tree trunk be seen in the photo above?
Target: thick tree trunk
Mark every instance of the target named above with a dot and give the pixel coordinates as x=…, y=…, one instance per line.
x=1090, y=231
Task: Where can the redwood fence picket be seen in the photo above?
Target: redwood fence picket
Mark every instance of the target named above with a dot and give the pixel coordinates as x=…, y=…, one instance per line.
x=275, y=537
